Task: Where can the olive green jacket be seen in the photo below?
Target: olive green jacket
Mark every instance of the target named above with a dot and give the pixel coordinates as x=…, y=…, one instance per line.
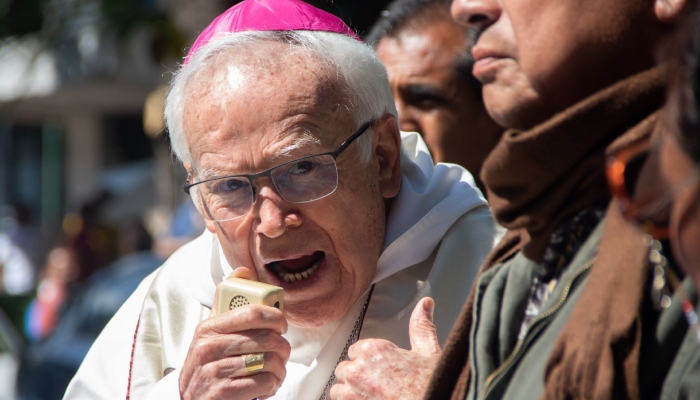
x=502, y=366
x=683, y=378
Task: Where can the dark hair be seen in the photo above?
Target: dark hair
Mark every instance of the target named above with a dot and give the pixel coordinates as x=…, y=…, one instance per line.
x=402, y=13
x=684, y=92
x=415, y=14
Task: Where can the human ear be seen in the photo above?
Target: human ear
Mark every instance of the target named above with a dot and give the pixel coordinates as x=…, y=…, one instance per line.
x=668, y=11
x=387, y=151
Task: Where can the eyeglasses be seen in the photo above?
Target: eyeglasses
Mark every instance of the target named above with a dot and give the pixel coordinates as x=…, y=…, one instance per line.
x=302, y=180
x=644, y=196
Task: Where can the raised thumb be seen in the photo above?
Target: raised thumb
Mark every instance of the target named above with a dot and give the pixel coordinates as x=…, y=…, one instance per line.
x=421, y=329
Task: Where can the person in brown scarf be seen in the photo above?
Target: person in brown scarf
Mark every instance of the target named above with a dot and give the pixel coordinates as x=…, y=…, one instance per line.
x=562, y=306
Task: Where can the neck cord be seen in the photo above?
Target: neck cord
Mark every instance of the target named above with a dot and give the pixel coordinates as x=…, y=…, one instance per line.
x=354, y=335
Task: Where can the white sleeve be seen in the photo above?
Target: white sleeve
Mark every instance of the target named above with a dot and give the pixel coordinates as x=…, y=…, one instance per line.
x=167, y=388
x=104, y=372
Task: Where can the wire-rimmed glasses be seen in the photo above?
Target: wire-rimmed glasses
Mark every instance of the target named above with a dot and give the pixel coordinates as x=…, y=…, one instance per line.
x=302, y=180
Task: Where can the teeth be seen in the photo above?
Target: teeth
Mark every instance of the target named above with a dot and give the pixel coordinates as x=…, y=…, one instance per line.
x=291, y=277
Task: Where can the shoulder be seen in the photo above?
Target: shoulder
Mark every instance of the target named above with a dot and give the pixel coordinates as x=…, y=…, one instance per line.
x=188, y=267
x=475, y=219
x=476, y=227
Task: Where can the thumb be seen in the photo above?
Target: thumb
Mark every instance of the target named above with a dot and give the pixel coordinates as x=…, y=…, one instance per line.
x=421, y=329
x=240, y=272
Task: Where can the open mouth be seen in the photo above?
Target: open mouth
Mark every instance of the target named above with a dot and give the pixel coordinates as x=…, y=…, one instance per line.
x=297, y=269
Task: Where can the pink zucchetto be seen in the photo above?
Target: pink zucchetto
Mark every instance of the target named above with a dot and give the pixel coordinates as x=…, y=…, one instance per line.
x=271, y=15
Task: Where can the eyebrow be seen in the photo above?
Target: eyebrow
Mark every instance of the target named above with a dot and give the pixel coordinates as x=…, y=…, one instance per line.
x=421, y=89
x=306, y=139
x=211, y=173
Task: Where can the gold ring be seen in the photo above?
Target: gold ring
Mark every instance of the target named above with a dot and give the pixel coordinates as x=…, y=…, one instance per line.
x=254, y=363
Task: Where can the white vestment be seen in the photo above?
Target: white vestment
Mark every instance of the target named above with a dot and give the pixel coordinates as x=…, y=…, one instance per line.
x=439, y=230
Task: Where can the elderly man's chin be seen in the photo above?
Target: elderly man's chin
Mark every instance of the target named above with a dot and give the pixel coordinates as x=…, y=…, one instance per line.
x=511, y=100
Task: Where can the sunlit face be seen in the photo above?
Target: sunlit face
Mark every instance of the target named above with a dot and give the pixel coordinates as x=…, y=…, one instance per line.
x=431, y=99
x=679, y=169
x=537, y=57
x=242, y=120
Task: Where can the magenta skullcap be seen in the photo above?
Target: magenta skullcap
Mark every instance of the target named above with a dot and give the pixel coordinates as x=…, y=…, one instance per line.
x=271, y=15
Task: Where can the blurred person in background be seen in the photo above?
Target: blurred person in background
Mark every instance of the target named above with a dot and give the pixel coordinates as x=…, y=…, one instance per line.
x=287, y=126
x=93, y=239
x=428, y=58
x=59, y=272
x=47, y=366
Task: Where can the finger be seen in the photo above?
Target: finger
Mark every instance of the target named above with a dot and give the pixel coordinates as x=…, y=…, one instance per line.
x=421, y=329
x=240, y=272
x=213, y=348
x=341, y=371
x=370, y=350
x=345, y=392
x=248, y=317
x=256, y=386
x=235, y=367
x=256, y=341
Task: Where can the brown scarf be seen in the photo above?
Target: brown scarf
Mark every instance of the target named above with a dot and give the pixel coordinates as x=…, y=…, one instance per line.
x=537, y=178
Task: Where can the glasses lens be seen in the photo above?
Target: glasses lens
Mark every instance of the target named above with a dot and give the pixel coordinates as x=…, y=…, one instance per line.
x=306, y=179
x=224, y=199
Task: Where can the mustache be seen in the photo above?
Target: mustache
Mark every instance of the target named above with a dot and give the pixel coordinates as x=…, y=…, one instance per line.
x=473, y=35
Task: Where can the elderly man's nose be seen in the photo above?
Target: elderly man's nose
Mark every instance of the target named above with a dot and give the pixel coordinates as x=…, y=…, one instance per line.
x=477, y=14
x=273, y=214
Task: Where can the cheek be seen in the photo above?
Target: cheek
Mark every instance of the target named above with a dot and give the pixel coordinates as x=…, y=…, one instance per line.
x=431, y=125
x=439, y=124
x=359, y=234
x=234, y=237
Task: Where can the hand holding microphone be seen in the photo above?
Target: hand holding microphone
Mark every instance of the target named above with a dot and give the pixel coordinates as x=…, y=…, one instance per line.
x=238, y=352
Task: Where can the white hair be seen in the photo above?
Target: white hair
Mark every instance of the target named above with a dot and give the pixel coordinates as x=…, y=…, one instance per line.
x=360, y=74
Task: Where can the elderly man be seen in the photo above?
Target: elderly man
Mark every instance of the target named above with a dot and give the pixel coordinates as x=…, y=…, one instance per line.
x=286, y=125
x=427, y=57
x=562, y=308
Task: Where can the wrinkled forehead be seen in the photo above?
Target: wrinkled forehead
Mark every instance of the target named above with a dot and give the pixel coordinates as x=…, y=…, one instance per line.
x=263, y=100
x=264, y=64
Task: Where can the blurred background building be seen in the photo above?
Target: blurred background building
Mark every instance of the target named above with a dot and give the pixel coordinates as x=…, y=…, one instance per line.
x=83, y=155
x=75, y=80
